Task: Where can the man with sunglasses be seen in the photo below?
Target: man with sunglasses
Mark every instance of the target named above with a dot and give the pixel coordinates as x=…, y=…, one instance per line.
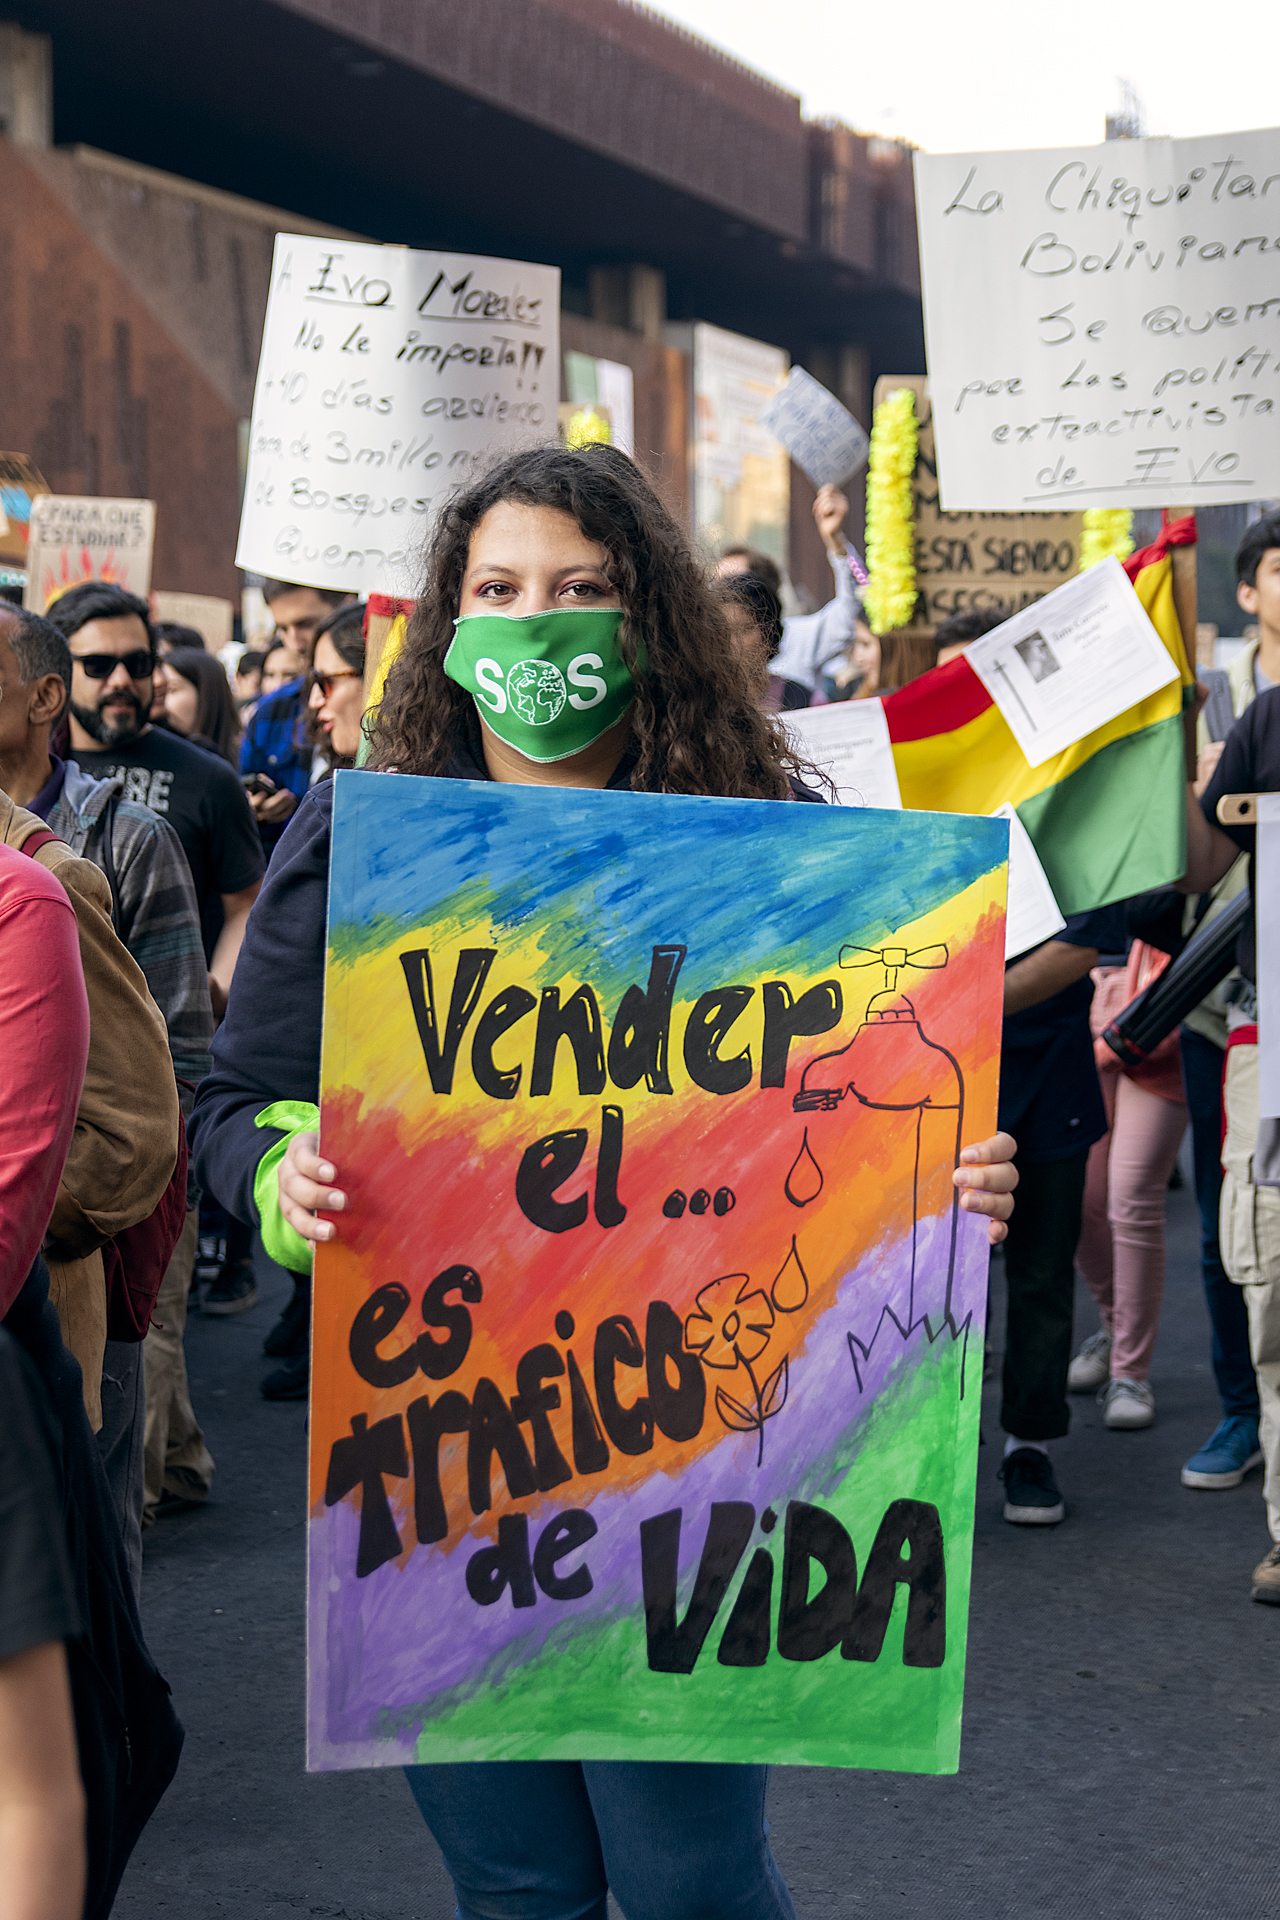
x=112, y=647
x=113, y=660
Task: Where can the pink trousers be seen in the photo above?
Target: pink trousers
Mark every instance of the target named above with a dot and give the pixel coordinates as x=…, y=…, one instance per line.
x=1121, y=1251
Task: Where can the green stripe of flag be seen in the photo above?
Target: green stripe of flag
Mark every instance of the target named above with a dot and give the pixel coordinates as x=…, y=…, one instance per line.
x=1117, y=825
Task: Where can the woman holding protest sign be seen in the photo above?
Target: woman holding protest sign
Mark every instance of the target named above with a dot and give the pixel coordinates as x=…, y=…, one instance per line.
x=660, y=702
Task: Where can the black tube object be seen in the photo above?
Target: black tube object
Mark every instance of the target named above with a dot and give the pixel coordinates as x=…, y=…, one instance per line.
x=1207, y=958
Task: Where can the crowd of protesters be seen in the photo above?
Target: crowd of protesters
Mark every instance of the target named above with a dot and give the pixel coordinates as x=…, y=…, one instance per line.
x=164, y=845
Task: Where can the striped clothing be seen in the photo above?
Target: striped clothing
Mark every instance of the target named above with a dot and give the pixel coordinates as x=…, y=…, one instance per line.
x=159, y=920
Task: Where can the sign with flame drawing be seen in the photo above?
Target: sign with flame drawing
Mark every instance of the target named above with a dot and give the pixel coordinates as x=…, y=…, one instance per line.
x=74, y=538
x=647, y=1363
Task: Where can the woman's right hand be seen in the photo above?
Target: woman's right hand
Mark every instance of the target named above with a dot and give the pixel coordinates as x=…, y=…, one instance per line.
x=305, y=1184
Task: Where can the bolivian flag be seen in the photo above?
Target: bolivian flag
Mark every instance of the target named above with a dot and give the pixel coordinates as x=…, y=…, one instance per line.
x=1107, y=816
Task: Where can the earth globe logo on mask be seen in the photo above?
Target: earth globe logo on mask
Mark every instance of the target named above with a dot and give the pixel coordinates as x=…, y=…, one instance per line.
x=536, y=690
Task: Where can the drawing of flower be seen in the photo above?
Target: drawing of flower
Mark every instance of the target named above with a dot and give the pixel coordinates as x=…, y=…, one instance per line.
x=729, y=1324
x=730, y=1328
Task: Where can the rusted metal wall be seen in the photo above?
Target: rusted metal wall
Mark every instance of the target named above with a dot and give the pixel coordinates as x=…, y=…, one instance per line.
x=101, y=395
x=862, y=204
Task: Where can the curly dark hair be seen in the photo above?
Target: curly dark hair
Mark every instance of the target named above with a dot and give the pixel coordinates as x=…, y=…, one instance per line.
x=696, y=723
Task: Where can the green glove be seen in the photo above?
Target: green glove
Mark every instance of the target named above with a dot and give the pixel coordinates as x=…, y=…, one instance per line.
x=284, y=1243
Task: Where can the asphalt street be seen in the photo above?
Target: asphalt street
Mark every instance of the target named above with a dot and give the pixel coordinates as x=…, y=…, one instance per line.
x=1122, y=1714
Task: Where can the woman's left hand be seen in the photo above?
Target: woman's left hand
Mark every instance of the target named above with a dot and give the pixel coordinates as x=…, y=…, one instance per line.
x=986, y=1178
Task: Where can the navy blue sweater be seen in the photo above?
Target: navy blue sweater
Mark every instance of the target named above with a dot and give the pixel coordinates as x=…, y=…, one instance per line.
x=268, y=1046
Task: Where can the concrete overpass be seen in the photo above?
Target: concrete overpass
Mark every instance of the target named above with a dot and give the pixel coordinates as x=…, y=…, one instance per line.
x=668, y=182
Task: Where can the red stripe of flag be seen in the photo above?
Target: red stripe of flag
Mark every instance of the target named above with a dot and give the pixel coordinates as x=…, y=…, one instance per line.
x=1174, y=533
x=938, y=702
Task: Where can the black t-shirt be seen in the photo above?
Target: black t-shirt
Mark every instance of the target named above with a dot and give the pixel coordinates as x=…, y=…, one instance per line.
x=204, y=802
x=37, y=1595
x=1250, y=763
x=1050, y=1100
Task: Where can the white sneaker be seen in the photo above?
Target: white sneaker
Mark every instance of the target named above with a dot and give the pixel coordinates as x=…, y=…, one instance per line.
x=1127, y=1405
x=1092, y=1365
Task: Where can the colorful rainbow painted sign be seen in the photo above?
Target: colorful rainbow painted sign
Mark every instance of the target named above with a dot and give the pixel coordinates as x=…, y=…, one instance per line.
x=646, y=1369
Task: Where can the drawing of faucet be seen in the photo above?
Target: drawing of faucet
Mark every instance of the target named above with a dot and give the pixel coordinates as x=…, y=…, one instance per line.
x=893, y=1066
x=893, y=960
x=822, y=1090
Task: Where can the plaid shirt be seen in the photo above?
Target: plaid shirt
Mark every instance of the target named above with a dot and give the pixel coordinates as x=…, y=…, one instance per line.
x=275, y=741
x=160, y=922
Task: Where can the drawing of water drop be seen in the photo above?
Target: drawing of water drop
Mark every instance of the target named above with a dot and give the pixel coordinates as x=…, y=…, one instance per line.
x=804, y=1182
x=791, y=1288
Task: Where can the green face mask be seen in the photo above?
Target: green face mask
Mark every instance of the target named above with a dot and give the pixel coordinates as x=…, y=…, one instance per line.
x=546, y=683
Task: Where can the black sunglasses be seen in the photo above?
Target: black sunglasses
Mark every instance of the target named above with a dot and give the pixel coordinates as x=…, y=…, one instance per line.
x=139, y=665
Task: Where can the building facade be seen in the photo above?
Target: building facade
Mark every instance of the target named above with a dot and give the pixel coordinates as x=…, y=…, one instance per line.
x=150, y=153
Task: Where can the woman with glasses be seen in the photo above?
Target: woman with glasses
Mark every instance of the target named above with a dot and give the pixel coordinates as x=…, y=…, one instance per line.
x=335, y=689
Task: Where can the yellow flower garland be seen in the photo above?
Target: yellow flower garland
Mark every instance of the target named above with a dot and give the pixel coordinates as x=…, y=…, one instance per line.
x=1106, y=530
x=890, y=596
x=587, y=428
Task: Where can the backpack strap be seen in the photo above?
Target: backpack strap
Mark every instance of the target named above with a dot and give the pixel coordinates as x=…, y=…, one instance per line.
x=109, y=860
x=34, y=841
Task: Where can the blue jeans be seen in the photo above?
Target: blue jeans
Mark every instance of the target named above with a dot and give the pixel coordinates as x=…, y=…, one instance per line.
x=545, y=1840
x=1232, y=1363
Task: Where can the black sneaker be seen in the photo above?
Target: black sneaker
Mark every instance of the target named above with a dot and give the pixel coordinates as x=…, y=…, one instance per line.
x=1031, y=1495
x=209, y=1250
x=289, y=1382
x=234, y=1290
x=291, y=1330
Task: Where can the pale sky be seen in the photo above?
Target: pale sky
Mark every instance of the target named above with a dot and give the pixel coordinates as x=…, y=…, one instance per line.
x=1005, y=73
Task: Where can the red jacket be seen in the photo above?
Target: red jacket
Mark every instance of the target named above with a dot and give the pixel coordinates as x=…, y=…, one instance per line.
x=44, y=1044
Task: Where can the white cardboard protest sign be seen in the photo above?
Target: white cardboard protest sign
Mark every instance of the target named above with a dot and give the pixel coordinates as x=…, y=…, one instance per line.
x=1071, y=662
x=212, y=618
x=1267, y=907
x=387, y=378
x=1032, y=914
x=849, y=741
x=1101, y=322
x=617, y=390
x=77, y=537
x=822, y=437
x=741, y=478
